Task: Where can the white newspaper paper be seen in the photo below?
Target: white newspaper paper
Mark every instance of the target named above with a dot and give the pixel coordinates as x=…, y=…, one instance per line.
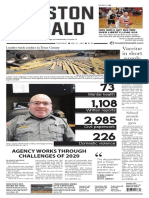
x=58, y=48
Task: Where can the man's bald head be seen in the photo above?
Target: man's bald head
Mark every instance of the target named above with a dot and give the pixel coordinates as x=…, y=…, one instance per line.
x=40, y=96
x=40, y=105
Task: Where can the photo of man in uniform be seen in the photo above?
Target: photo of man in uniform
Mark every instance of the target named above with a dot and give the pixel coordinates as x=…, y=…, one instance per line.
x=39, y=124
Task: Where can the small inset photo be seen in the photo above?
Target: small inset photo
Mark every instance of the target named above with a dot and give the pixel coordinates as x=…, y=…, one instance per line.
x=41, y=188
x=121, y=17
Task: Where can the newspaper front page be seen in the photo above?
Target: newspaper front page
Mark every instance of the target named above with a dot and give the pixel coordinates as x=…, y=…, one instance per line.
x=68, y=132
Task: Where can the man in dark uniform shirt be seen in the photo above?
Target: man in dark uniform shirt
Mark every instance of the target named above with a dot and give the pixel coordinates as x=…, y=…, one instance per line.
x=39, y=124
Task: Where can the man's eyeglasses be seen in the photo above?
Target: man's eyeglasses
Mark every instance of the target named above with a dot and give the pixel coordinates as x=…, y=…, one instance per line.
x=39, y=103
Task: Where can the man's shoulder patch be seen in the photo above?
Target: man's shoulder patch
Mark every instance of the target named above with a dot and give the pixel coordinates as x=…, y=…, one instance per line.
x=8, y=124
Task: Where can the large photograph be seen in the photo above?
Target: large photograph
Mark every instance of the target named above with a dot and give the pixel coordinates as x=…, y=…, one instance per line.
x=40, y=112
x=58, y=62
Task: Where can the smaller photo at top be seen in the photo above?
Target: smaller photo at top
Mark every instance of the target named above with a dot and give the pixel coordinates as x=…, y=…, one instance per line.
x=121, y=17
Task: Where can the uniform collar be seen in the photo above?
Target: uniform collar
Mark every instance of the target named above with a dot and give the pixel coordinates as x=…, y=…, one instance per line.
x=28, y=115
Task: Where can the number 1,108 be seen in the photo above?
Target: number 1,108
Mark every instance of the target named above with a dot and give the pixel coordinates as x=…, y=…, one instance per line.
x=104, y=103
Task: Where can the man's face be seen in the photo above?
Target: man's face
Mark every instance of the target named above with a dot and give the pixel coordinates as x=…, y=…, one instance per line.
x=40, y=106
